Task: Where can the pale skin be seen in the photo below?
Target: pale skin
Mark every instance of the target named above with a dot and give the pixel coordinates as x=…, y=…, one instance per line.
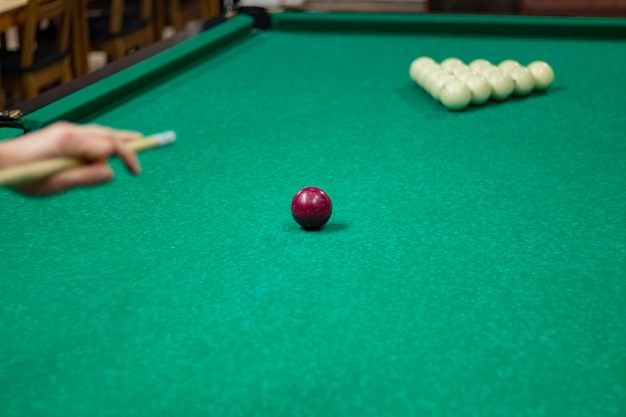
x=93, y=144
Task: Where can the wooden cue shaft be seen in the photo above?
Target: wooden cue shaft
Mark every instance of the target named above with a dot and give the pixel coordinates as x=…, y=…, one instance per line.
x=38, y=170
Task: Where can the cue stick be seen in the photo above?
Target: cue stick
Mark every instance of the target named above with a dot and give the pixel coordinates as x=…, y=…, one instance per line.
x=41, y=169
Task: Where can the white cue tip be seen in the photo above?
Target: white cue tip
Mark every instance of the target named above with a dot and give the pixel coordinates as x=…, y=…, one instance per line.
x=165, y=138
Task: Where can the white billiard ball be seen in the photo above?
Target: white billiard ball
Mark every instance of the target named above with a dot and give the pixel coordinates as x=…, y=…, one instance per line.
x=502, y=85
x=427, y=73
x=543, y=74
x=464, y=75
x=461, y=71
x=438, y=83
x=455, y=95
x=449, y=64
x=523, y=79
x=428, y=79
x=480, y=89
x=479, y=63
x=433, y=69
x=418, y=64
x=414, y=71
x=485, y=70
x=508, y=64
x=420, y=76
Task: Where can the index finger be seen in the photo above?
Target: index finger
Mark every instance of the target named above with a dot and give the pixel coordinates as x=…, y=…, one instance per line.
x=106, y=142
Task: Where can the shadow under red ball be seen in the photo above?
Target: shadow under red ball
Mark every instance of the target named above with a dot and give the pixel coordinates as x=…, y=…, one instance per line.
x=311, y=208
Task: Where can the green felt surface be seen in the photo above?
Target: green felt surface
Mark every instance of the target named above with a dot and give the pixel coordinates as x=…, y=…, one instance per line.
x=475, y=263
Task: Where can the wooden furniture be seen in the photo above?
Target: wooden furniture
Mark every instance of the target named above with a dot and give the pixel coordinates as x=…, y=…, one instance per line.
x=38, y=65
x=13, y=14
x=182, y=11
x=177, y=13
x=80, y=38
x=122, y=27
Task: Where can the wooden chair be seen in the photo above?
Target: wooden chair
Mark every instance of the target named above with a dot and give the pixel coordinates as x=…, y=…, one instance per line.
x=179, y=12
x=34, y=65
x=125, y=26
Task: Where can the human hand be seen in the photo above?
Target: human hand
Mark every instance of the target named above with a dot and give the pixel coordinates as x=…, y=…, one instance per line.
x=92, y=144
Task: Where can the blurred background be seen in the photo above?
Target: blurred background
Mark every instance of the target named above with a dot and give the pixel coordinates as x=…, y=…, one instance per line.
x=609, y=8
x=545, y=7
x=36, y=53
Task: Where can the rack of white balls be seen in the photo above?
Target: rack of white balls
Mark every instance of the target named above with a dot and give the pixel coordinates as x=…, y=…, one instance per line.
x=457, y=85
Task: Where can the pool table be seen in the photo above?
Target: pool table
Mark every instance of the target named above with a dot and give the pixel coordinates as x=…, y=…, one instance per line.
x=474, y=263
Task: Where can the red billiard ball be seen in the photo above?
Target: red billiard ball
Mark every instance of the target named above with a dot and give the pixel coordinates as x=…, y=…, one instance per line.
x=311, y=208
